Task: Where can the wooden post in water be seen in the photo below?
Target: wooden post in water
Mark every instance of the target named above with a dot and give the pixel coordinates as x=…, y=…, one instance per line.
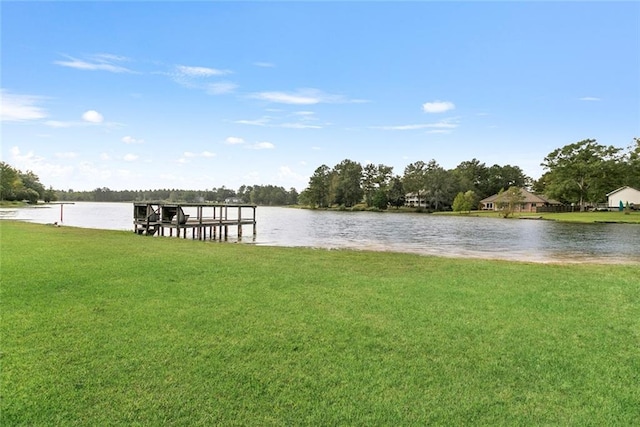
x=255, y=230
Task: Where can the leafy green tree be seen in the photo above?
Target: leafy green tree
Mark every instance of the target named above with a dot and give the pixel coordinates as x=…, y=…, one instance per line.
x=465, y=202
x=414, y=179
x=632, y=166
x=10, y=182
x=31, y=180
x=317, y=192
x=503, y=177
x=28, y=194
x=348, y=190
x=510, y=200
x=380, y=200
x=473, y=175
x=292, y=196
x=582, y=172
x=396, y=193
x=439, y=185
x=50, y=195
x=374, y=178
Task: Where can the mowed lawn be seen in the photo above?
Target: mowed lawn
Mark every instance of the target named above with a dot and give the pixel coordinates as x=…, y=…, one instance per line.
x=111, y=328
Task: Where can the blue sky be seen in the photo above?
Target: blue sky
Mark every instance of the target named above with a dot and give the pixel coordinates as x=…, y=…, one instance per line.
x=195, y=95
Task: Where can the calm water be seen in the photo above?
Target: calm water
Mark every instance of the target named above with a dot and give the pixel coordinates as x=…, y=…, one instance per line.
x=528, y=240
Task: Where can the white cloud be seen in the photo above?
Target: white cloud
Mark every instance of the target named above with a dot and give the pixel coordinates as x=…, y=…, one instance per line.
x=105, y=156
x=264, y=64
x=59, y=124
x=232, y=140
x=286, y=174
x=263, y=146
x=131, y=140
x=67, y=155
x=439, y=125
x=98, y=62
x=92, y=116
x=287, y=98
x=303, y=97
x=262, y=121
x=197, y=78
x=187, y=155
x=589, y=98
x=200, y=71
x=304, y=113
x=20, y=108
x=130, y=157
x=37, y=164
x=299, y=126
x=437, y=106
x=220, y=88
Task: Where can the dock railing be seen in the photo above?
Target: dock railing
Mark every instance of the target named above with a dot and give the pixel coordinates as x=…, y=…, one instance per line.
x=205, y=221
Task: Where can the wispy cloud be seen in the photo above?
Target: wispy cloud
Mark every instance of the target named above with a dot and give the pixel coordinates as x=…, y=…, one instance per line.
x=20, y=108
x=130, y=157
x=200, y=71
x=66, y=155
x=437, y=106
x=297, y=120
x=199, y=78
x=60, y=124
x=589, y=98
x=37, y=164
x=299, y=126
x=188, y=155
x=286, y=174
x=234, y=140
x=97, y=62
x=264, y=64
x=303, y=97
x=220, y=88
x=262, y=146
x=439, y=125
x=131, y=140
x=262, y=121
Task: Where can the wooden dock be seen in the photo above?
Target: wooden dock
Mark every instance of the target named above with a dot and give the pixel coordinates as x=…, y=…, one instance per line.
x=203, y=221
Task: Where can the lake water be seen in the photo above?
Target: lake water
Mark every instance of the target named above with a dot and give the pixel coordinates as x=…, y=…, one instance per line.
x=525, y=240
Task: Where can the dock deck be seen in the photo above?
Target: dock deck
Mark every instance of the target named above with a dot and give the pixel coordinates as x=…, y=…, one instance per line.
x=204, y=221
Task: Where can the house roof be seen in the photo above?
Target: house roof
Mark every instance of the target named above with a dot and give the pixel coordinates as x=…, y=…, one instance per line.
x=622, y=188
x=528, y=198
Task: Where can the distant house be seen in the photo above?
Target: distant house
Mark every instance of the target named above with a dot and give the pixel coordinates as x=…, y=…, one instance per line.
x=624, y=195
x=529, y=204
x=412, y=200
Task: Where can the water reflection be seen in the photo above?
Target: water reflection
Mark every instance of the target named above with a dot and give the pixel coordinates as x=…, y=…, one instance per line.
x=528, y=240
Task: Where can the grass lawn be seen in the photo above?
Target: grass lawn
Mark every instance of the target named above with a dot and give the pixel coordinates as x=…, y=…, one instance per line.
x=110, y=328
x=632, y=217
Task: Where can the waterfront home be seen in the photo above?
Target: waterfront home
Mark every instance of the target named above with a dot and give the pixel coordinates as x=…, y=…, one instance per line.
x=623, y=195
x=530, y=202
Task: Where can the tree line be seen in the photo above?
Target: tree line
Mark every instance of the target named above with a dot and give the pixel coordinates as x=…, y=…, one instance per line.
x=18, y=185
x=265, y=195
x=581, y=173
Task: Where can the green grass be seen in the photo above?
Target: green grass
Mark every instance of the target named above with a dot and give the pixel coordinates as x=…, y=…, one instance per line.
x=632, y=217
x=111, y=328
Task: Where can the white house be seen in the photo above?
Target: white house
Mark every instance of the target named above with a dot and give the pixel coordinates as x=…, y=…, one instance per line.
x=624, y=195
